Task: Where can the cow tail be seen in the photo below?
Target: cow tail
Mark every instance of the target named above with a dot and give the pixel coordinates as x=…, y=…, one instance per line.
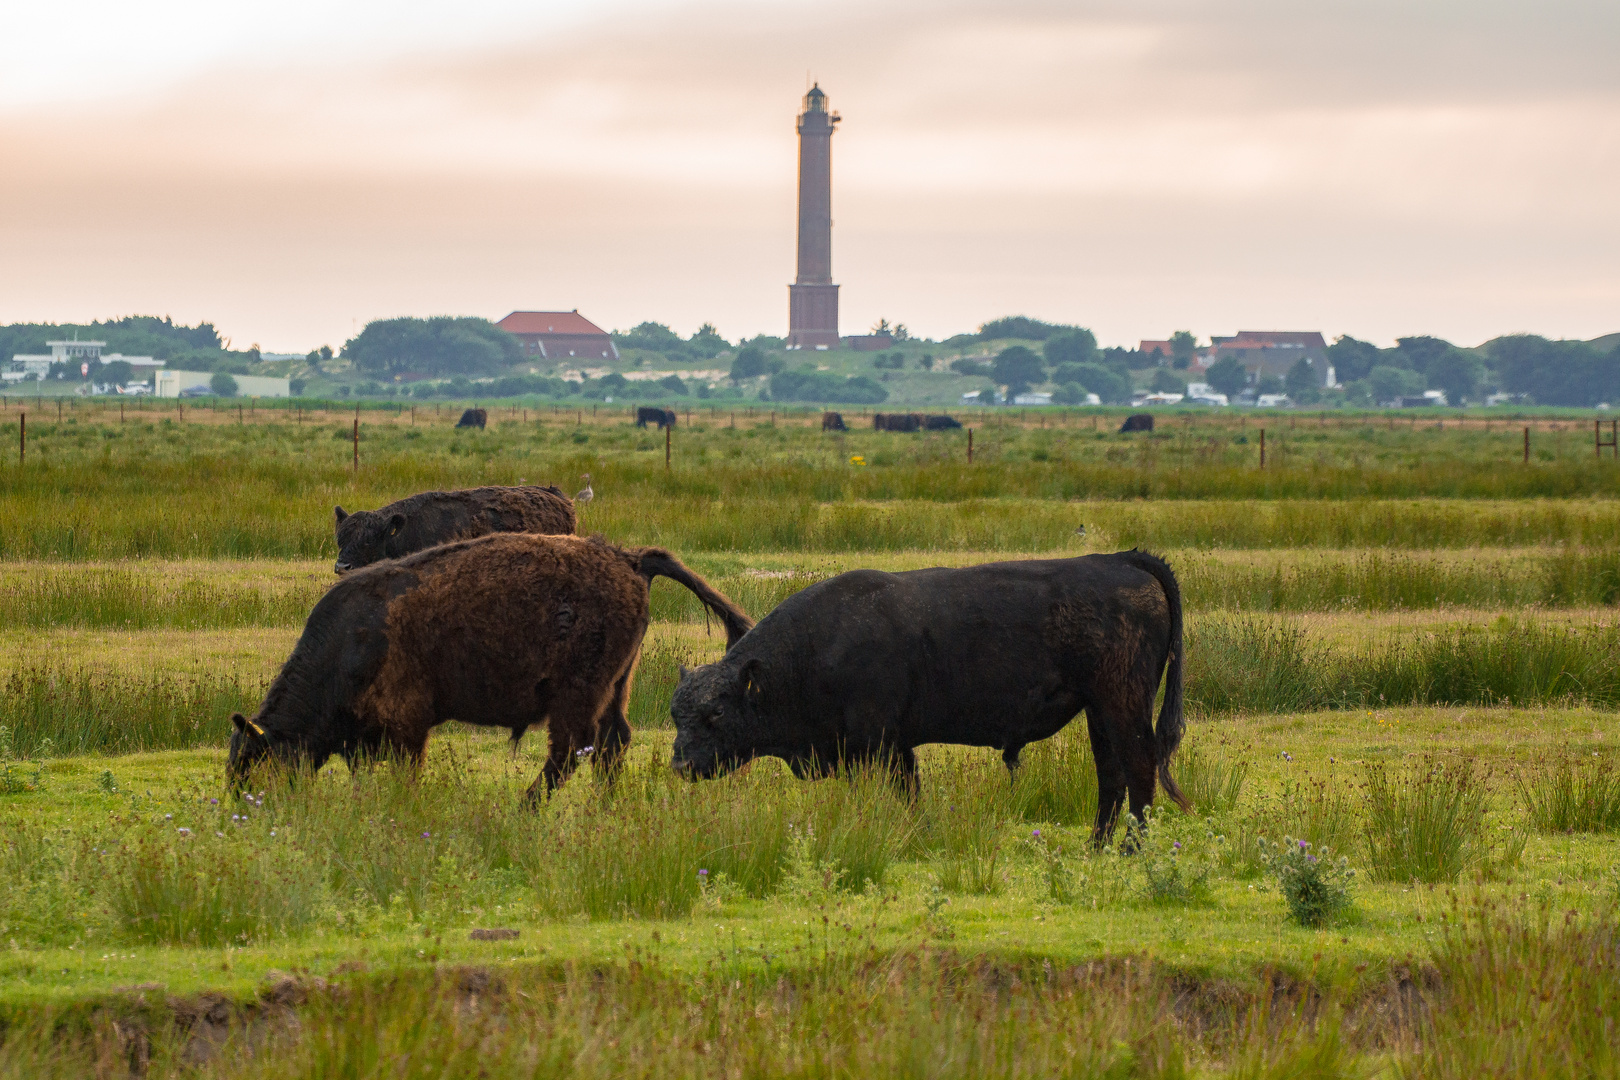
x=1172, y=722
x=656, y=562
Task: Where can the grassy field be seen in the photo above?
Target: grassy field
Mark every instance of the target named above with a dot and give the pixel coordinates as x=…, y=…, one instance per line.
x=1403, y=649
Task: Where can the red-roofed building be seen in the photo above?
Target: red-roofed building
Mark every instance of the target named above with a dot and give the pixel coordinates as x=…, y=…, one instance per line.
x=1275, y=352
x=559, y=335
x=1163, y=348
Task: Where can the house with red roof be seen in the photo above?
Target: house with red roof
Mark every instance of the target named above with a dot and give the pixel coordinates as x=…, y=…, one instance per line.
x=559, y=335
x=1275, y=352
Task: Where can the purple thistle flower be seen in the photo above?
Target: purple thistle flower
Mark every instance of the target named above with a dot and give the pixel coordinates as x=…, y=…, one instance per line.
x=1037, y=832
x=426, y=835
x=183, y=831
x=213, y=802
x=1177, y=845
x=1303, y=845
x=703, y=873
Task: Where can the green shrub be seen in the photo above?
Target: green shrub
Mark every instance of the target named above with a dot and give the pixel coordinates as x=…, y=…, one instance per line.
x=1315, y=888
x=1177, y=855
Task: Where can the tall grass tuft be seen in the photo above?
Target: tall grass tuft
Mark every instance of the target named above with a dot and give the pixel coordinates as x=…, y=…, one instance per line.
x=193, y=887
x=1057, y=779
x=1529, y=993
x=966, y=805
x=79, y=711
x=1573, y=795
x=1213, y=784
x=1428, y=823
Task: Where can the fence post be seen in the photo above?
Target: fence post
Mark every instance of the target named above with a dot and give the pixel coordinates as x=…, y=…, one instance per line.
x=22, y=438
x=357, y=439
x=667, y=430
x=970, y=446
x=1527, y=444
x=1262, y=448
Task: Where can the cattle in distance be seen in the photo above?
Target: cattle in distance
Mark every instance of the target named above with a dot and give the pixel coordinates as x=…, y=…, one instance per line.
x=473, y=418
x=897, y=421
x=1137, y=422
x=867, y=666
x=646, y=414
x=508, y=631
x=941, y=423
x=438, y=517
x=831, y=421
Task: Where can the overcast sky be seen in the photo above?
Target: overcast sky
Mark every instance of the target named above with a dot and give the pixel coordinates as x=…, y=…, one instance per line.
x=293, y=170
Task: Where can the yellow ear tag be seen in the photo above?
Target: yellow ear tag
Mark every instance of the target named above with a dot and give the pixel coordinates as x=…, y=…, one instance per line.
x=257, y=730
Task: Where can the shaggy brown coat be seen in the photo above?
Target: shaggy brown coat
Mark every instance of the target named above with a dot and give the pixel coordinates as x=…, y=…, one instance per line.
x=438, y=517
x=510, y=630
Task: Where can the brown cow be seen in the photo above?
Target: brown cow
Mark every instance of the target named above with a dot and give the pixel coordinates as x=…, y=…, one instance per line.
x=510, y=631
x=438, y=517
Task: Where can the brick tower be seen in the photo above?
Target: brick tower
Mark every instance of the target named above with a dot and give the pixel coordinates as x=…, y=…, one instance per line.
x=813, y=298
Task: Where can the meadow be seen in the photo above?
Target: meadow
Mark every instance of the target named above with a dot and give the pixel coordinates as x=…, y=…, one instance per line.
x=1403, y=651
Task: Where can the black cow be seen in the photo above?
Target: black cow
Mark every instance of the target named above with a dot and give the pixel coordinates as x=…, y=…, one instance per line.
x=941, y=423
x=1142, y=421
x=869, y=665
x=473, y=418
x=897, y=421
x=831, y=421
x=648, y=415
x=438, y=517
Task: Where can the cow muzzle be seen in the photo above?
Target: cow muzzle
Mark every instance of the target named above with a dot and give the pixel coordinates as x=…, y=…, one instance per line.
x=340, y=568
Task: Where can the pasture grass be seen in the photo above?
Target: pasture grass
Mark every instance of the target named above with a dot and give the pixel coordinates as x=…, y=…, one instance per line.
x=388, y=866
x=105, y=692
x=222, y=594
x=96, y=489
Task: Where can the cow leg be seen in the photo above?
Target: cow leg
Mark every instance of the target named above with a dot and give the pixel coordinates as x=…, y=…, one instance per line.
x=613, y=729
x=573, y=727
x=1110, y=776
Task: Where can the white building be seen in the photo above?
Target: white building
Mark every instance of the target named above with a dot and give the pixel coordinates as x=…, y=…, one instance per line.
x=171, y=384
x=80, y=353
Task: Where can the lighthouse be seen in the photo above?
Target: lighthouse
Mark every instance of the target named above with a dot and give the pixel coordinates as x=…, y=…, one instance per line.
x=813, y=298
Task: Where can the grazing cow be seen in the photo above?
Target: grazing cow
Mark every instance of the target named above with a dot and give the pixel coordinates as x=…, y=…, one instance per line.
x=438, y=517
x=869, y=665
x=646, y=414
x=941, y=423
x=831, y=421
x=509, y=631
x=1142, y=421
x=897, y=421
x=473, y=418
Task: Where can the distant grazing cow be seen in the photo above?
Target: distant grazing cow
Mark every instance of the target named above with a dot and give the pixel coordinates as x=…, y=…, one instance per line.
x=897, y=421
x=831, y=421
x=869, y=665
x=473, y=418
x=438, y=517
x=941, y=423
x=506, y=631
x=662, y=417
x=1142, y=421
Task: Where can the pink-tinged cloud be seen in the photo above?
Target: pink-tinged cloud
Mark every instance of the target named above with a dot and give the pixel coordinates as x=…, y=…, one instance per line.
x=1357, y=168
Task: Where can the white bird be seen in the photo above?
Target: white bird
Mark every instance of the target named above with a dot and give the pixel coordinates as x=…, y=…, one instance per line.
x=587, y=495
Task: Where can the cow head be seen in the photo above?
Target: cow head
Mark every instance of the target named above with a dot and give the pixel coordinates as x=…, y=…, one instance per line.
x=253, y=743
x=716, y=711
x=362, y=537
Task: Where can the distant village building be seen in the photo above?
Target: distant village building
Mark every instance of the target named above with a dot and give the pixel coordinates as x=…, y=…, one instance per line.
x=174, y=383
x=75, y=354
x=1275, y=352
x=558, y=335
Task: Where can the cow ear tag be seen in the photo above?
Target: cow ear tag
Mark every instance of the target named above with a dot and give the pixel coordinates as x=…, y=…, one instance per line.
x=257, y=730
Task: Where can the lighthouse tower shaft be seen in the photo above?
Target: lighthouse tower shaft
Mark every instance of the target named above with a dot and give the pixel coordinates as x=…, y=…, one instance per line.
x=813, y=298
